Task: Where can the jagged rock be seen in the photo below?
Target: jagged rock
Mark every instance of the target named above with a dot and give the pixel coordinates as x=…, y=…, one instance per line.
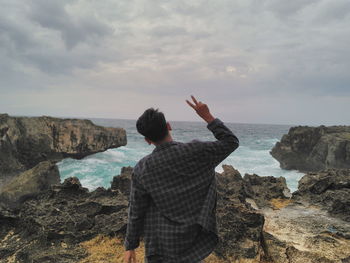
x=231, y=183
x=329, y=189
x=240, y=226
x=66, y=213
x=294, y=233
x=48, y=227
x=30, y=183
x=70, y=211
x=16, y=247
x=122, y=182
x=301, y=234
x=27, y=141
x=258, y=190
x=282, y=252
x=314, y=148
x=262, y=189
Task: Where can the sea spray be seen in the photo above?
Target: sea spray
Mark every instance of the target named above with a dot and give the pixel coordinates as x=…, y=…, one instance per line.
x=256, y=140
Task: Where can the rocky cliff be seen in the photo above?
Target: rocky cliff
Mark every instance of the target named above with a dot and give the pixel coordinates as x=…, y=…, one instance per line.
x=315, y=225
x=314, y=148
x=52, y=225
x=49, y=226
x=328, y=189
x=29, y=183
x=27, y=141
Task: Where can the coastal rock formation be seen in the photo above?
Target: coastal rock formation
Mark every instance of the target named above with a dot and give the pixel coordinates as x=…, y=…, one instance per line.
x=27, y=141
x=50, y=226
x=257, y=190
x=68, y=213
x=263, y=189
x=329, y=189
x=314, y=148
x=293, y=231
x=240, y=226
x=301, y=234
x=315, y=225
x=122, y=181
x=30, y=182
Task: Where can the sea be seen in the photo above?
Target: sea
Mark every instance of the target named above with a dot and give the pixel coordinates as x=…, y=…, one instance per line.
x=252, y=156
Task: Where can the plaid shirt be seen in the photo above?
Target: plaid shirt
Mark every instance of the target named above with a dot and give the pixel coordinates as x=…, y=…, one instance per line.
x=173, y=197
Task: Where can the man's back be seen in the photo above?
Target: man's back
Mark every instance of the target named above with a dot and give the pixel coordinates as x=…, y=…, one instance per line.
x=179, y=179
x=173, y=197
x=173, y=174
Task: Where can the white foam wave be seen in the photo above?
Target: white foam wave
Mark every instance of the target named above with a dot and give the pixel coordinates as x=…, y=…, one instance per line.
x=113, y=156
x=94, y=161
x=91, y=182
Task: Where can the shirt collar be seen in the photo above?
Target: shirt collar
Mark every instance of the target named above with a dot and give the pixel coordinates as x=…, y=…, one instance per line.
x=164, y=145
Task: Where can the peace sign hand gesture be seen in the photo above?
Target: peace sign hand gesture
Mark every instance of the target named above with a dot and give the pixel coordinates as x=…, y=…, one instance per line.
x=201, y=109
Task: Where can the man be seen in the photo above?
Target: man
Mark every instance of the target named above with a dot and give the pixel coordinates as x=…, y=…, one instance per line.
x=173, y=191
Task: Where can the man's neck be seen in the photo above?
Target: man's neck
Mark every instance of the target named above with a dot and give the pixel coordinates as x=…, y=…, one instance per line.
x=167, y=139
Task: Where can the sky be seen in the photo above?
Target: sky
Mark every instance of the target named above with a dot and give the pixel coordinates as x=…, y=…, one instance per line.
x=250, y=61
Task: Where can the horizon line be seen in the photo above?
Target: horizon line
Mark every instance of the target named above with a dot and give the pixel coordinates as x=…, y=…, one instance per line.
x=197, y=121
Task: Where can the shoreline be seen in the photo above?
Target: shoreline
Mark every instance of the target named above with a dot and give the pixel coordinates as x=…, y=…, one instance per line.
x=292, y=176
x=43, y=219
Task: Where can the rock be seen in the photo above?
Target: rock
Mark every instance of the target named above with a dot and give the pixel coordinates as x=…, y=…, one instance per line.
x=49, y=226
x=240, y=226
x=281, y=252
x=257, y=190
x=41, y=219
x=69, y=211
x=292, y=232
x=231, y=183
x=314, y=148
x=65, y=213
x=262, y=189
x=329, y=189
x=30, y=183
x=240, y=231
x=122, y=182
x=27, y=141
x=301, y=234
x=15, y=247
x=7, y=218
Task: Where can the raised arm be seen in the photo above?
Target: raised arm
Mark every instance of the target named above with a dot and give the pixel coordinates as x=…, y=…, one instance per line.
x=214, y=152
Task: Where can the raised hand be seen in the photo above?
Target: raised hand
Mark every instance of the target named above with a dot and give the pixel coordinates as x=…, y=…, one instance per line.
x=201, y=109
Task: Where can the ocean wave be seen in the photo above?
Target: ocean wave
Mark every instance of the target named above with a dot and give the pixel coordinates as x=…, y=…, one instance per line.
x=252, y=156
x=91, y=182
x=94, y=161
x=113, y=156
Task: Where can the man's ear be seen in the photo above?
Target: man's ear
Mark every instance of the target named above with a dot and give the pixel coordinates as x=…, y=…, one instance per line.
x=168, y=126
x=148, y=141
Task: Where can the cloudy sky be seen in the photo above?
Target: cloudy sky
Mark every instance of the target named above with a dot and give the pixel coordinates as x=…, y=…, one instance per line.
x=251, y=61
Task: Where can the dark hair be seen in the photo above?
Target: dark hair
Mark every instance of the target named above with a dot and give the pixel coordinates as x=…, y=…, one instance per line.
x=152, y=125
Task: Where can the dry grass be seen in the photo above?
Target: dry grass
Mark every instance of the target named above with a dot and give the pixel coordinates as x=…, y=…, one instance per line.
x=279, y=203
x=104, y=249
x=212, y=258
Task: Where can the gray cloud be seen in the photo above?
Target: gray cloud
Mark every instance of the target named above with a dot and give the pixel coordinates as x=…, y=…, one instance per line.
x=245, y=56
x=283, y=9
x=73, y=29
